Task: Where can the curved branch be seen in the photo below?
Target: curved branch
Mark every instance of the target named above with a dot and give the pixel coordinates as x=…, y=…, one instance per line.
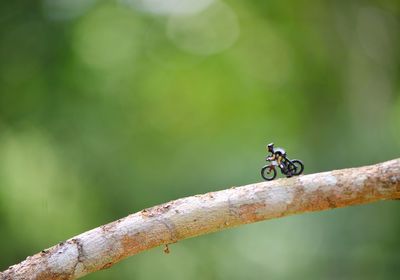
x=104, y=246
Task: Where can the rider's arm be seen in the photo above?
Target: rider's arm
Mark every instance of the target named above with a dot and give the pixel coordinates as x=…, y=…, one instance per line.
x=271, y=157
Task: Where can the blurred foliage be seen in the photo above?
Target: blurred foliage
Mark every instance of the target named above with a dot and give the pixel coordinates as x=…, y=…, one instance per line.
x=108, y=107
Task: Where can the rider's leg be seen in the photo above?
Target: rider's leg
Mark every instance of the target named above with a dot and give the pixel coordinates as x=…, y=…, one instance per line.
x=281, y=165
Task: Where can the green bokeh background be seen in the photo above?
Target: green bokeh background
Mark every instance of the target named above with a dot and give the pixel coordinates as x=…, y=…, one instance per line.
x=109, y=107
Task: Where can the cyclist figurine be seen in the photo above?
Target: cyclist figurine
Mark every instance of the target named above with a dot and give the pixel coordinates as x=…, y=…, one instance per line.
x=289, y=167
x=278, y=154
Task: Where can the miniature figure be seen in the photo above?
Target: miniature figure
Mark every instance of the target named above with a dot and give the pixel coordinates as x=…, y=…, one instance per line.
x=278, y=158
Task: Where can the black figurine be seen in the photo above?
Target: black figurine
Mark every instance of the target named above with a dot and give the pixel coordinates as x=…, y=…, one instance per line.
x=278, y=158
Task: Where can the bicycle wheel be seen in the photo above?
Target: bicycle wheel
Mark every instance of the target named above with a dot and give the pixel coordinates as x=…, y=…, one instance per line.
x=268, y=172
x=290, y=170
x=299, y=166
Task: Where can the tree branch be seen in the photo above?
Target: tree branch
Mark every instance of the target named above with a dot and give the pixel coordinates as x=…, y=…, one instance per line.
x=104, y=246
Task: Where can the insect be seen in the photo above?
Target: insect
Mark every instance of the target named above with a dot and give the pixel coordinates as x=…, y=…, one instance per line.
x=278, y=158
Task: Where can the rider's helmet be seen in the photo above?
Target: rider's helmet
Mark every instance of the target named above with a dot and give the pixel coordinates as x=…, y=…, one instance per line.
x=270, y=147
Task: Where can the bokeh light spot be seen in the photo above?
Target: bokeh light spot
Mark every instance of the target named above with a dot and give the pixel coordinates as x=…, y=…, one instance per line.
x=108, y=38
x=169, y=7
x=209, y=32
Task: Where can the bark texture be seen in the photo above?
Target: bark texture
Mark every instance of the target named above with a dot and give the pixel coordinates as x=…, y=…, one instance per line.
x=104, y=246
